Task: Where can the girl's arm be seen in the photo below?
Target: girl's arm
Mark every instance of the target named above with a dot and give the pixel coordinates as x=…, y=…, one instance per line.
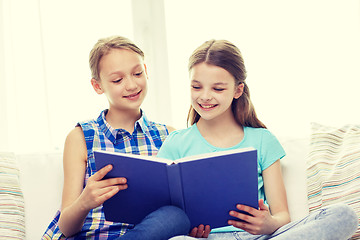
x=265, y=220
x=76, y=201
x=276, y=194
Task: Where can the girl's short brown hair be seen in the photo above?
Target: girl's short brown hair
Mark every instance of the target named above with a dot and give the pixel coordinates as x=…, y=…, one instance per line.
x=103, y=47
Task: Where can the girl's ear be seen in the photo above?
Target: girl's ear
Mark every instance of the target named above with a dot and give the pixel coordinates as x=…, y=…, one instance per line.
x=97, y=86
x=239, y=90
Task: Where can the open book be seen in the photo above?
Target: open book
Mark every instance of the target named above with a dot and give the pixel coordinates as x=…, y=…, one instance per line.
x=205, y=186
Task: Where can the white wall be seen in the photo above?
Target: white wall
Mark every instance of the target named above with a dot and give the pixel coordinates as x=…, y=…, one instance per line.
x=302, y=59
x=46, y=82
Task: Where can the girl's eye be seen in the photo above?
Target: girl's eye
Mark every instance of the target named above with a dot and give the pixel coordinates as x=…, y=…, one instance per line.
x=139, y=74
x=195, y=87
x=219, y=89
x=117, y=81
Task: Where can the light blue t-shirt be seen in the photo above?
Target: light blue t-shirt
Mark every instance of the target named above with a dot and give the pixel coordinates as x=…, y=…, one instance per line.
x=189, y=142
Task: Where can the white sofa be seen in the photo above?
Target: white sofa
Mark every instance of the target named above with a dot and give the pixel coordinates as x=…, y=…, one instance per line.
x=41, y=180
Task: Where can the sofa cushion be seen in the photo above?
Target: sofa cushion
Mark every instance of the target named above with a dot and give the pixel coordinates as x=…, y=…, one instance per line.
x=12, y=213
x=333, y=167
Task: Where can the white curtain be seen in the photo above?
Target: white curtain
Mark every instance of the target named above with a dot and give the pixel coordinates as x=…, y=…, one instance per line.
x=45, y=78
x=302, y=59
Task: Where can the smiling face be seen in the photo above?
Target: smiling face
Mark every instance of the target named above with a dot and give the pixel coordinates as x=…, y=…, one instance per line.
x=123, y=79
x=212, y=91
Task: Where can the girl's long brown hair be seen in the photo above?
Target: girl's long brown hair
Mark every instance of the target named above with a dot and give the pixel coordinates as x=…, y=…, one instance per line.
x=226, y=55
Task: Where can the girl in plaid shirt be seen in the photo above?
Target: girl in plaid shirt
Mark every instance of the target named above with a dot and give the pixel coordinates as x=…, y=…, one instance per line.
x=119, y=72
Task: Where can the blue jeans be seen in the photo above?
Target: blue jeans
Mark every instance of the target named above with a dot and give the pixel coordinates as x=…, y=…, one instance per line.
x=162, y=224
x=336, y=222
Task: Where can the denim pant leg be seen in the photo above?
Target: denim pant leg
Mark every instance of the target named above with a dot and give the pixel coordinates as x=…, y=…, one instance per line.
x=213, y=236
x=336, y=222
x=164, y=223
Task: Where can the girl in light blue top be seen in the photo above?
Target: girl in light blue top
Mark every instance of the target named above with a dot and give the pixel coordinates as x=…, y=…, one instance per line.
x=222, y=117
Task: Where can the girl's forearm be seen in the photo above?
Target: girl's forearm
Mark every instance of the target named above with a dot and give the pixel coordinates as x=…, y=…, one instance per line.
x=281, y=218
x=72, y=219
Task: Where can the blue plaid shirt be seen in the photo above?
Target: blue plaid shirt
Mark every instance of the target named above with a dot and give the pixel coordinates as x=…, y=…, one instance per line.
x=146, y=139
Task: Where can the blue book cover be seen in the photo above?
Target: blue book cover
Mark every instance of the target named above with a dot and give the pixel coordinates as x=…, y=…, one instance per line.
x=205, y=186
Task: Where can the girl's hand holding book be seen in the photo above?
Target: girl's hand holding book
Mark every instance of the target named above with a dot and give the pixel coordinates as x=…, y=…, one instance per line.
x=259, y=222
x=97, y=190
x=201, y=231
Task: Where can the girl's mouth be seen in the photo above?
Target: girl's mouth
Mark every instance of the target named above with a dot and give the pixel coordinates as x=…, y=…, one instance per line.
x=133, y=96
x=207, y=106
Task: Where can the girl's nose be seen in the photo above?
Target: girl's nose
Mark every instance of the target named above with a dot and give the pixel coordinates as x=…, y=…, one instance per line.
x=130, y=84
x=205, y=95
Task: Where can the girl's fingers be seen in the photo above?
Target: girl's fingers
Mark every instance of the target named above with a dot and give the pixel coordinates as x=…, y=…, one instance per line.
x=101, y=173
x=252, y=211
x=262, y=205
x=200, y=231
x=93, y=198
x=110, y=192
x=242, y=225
x=242, y=216
x=112, y=182
x=193, y=232
x=207, y=231
x=104, y=191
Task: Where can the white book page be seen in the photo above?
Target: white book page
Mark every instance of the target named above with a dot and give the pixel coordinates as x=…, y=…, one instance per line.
x=141, y=157
x=213, y=154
